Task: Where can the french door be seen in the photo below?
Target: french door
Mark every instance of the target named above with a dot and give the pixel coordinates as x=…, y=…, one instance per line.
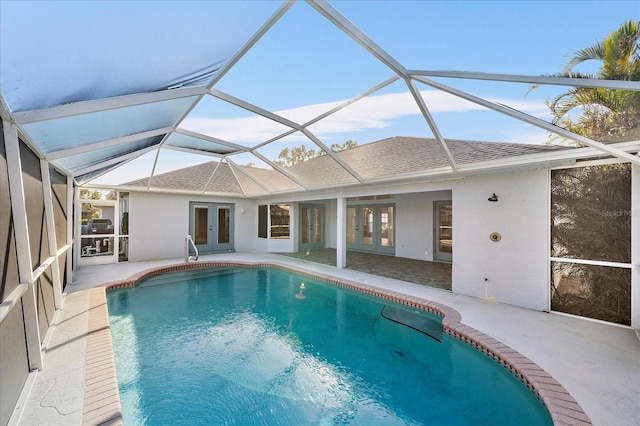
x=311, y=227
x=371, y=228
x=211, y=226
x=443, y=241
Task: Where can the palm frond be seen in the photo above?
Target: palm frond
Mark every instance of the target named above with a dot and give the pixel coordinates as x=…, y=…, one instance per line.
x=595, y=52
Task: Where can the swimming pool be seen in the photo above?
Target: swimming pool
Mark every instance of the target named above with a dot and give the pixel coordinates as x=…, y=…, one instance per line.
x=236, y=346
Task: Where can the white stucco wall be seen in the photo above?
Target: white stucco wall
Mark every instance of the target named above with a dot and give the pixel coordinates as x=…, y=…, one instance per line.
x=414, y=223
x=158, y=224
x=331, y=223
x=515, y=267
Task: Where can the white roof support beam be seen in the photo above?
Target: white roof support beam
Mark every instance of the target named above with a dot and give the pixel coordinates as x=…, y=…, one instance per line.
x=155, y=163
x=531, y=160
x=572, y=154
x=226, y=67
x=267, y=142
x=333, y=155
x=127, y=157
x=331, y=111
x=235, y=175
x=123, y=188
x=212, y=140
x=532, y=120
x=193, y=151
x=431, y=122
x=26, y=138
x=51, y=233
x=211, y=177
x=340, y=21
x=247, y=174
x=256, y=37
x=255, y=109
x=352, y=100
x=5, y=112
x=548, y=80
x=23, y=247
x=279, y=169
x=87, y=107
x=18, y=203
x=56, y=155
x=69, y=228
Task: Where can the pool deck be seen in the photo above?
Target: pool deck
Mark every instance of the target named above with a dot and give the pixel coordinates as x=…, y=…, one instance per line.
x=598, y=364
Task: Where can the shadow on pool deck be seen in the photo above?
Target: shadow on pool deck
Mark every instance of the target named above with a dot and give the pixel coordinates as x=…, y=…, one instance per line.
x=432, y=274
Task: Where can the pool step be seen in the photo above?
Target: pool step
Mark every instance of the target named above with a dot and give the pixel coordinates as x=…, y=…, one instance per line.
x=188, y=275
x=416, y=320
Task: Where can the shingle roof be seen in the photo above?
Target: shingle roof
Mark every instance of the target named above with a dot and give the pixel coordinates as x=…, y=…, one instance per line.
x=385, y=158
x=400, y=155
x=195, y=178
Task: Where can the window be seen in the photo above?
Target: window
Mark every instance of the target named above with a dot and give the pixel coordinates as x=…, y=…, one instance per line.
x=274, y=221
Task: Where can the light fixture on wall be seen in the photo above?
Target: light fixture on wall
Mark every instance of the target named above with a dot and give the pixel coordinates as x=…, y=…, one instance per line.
x=243, y=211
x=493, y=198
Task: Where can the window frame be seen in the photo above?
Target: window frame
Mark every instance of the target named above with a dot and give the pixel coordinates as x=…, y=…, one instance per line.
x=267, y=222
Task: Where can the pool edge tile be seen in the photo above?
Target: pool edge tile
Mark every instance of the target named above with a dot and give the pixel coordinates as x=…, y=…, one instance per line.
x=562, y=407
x=101, y=395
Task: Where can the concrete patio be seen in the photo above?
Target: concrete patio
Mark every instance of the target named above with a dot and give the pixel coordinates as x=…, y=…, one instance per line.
x=599, y=364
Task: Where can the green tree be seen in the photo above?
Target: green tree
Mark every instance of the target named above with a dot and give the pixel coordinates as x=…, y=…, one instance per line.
x=603, y=114
x=298, y=154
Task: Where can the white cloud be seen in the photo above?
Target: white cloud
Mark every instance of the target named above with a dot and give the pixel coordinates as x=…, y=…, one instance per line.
x=532, y=138
x=373, y=112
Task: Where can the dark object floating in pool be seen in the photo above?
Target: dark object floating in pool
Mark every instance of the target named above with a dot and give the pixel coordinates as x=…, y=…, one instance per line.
x=421, y=323
x=400, y=354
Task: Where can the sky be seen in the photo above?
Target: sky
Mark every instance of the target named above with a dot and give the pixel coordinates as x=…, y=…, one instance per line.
x=304, y=65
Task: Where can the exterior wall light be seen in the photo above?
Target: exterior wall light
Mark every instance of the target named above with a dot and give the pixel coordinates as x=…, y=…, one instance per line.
x=493, y=198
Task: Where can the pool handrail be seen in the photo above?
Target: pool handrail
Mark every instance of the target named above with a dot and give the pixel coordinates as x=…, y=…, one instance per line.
x=188, y=241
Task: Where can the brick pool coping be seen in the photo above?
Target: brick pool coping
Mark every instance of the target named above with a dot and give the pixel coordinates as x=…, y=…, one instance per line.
x=101, y=396
x=562, y=407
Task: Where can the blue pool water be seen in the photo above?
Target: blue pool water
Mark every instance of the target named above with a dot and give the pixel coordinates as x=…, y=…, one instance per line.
x=235, y=346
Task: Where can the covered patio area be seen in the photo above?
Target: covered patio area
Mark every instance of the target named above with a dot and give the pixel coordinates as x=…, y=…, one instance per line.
x=432, y=274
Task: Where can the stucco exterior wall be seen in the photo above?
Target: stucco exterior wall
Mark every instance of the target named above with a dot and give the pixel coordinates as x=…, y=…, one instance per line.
x=158, y=224
x=414, y=223
x=516, y=266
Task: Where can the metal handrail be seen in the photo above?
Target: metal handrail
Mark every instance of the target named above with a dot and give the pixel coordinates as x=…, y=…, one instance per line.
x=189, y=241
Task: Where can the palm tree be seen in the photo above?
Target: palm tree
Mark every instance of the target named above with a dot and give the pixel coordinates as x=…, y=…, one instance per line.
x=604, y=114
